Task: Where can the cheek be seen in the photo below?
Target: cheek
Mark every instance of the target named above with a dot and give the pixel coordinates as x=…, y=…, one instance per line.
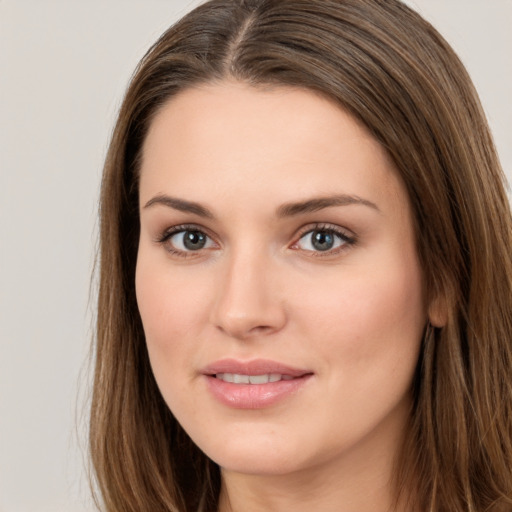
x=367, y=335
x=170, y=308
x=169, y=302
x=370, y=321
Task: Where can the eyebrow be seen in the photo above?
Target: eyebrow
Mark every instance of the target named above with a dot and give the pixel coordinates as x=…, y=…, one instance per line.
x=180, y=204
x=285, y=210
x=319, y=203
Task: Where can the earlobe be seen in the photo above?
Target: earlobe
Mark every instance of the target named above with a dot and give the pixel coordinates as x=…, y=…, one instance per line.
x=438, y=311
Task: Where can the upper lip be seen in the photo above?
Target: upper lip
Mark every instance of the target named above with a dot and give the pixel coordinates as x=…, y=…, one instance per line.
x=253, y=367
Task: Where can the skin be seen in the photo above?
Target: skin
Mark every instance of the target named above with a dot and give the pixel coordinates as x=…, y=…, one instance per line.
x=353, y=316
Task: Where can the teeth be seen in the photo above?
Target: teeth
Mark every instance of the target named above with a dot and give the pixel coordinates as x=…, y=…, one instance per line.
x=240, y=379
x=258, y=379
x=237, y=378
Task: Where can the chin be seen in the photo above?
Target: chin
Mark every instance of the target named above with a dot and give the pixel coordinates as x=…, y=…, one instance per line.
x=260, y=457
x=256, y=464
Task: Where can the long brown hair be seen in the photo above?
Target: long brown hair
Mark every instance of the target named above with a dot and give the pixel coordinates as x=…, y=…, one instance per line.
x=389, y=68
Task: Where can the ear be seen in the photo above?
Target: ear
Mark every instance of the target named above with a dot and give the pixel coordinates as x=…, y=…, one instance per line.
x=438, y=311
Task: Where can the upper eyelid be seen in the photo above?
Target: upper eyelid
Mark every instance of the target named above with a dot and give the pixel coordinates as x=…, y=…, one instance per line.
x=179, y=228
x=325, y=226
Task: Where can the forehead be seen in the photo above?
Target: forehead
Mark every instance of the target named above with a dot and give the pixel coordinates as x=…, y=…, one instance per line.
x=246, y=141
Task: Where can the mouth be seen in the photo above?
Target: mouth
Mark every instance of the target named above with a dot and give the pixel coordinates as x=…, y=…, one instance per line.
x=238, y=378
x=254, y=384
x=256, y=371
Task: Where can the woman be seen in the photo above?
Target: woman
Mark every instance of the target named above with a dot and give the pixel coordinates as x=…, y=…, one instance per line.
x=306, y=282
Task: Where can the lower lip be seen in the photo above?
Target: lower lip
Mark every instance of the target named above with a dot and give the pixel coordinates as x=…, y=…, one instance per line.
x=254, y=396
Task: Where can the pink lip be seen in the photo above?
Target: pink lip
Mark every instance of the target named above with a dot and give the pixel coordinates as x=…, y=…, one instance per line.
x=253, y=396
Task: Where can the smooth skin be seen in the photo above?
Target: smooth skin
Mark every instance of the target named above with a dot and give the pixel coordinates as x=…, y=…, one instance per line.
x=238, y=259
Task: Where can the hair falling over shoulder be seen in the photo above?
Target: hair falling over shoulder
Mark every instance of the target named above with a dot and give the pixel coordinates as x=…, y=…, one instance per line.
x=388, y=67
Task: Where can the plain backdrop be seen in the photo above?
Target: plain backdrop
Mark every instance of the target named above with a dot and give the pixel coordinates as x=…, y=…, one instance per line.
x=63, y=68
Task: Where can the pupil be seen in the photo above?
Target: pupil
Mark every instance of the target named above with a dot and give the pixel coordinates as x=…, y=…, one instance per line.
x=194, y=240
x=322, y=240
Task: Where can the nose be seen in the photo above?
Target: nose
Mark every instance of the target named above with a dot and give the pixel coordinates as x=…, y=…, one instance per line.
x=249, y=302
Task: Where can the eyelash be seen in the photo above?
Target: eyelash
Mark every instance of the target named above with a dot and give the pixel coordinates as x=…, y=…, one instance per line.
x=347, y=240
x=182, y=228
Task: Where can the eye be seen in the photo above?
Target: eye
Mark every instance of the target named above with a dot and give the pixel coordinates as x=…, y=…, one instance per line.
x=323, y=240
x=190, y=240
x=185, y=240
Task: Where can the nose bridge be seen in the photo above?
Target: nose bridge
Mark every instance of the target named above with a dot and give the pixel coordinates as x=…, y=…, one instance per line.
x=248, y=302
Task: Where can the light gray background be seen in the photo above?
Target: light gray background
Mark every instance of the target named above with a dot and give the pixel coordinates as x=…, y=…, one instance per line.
x=63, y=68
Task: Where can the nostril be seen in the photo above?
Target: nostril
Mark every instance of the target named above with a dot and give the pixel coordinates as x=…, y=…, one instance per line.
x=260, y=329
x=244, y=330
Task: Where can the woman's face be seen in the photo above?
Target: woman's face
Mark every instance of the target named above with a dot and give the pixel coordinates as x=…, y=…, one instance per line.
x=277, y=280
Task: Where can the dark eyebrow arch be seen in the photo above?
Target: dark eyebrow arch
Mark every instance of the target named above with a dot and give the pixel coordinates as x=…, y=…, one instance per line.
x=180, y=204
x=319, y=203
